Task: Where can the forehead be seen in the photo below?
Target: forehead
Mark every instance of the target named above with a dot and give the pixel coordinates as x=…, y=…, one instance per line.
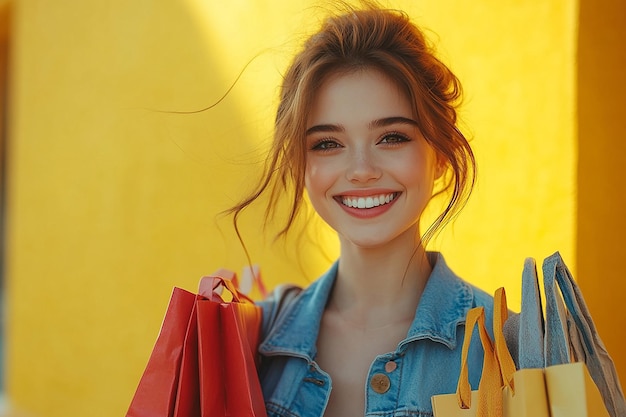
x=363, y=95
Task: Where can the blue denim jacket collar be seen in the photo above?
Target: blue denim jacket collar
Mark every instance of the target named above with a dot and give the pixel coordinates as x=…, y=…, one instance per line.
x=436, y=318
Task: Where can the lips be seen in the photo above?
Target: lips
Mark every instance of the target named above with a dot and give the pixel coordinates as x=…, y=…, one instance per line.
x=367, y=202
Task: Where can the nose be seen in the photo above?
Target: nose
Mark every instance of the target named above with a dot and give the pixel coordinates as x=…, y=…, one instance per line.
x=362, y=167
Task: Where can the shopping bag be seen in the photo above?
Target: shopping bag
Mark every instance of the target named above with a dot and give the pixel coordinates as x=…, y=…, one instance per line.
x=487, y=400
x=572, y=392
x=204, y=360
x=582, y=336
x=188, y=390
x=523, y=392
x=503, y=390
x=156, y=393
x=580, y=376
x=229, y=336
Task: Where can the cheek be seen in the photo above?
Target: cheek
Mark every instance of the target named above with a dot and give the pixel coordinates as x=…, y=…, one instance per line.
x=317, y=177
x=316, y=187
x=416, y=171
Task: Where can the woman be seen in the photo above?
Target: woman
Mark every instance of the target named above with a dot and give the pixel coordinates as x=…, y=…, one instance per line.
x=366, y=124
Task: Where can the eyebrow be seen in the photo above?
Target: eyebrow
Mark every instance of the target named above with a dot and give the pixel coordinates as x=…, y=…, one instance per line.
x=384, y=122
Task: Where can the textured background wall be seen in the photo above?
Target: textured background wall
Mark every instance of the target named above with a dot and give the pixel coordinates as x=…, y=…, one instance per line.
x=601, y=197
x=111, y=203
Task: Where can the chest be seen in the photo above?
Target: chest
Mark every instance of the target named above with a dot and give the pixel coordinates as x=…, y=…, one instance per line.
x=346, y=353
x=364, y=376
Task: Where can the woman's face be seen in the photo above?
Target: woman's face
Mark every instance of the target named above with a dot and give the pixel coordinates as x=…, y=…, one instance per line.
x=369, y=171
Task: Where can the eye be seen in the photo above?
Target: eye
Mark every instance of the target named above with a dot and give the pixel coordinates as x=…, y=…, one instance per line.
x=325, y=145
x=394, y=138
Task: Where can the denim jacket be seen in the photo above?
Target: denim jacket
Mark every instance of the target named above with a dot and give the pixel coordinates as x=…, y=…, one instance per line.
x=427, y=361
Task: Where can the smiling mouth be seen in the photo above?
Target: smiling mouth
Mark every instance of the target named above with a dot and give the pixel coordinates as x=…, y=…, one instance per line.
x=367, y=202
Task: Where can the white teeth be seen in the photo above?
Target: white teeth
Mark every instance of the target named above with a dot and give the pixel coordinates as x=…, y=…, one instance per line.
x=368, y=202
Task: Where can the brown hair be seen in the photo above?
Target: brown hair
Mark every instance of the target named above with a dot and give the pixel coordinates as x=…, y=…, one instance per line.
x=386, y=40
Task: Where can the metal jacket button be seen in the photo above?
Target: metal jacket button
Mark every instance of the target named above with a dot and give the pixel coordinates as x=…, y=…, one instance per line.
x=390, y=366
x=380, y=383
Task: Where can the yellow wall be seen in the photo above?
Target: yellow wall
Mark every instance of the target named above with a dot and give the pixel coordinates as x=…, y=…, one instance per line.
x=111, y=203
x=601, y=197
x=517, y=64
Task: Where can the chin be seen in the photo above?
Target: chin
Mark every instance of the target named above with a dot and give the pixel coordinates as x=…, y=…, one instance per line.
x=381, y=240
x=367, y=242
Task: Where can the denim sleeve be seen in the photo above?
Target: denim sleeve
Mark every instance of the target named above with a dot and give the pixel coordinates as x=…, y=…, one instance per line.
x=275, y=304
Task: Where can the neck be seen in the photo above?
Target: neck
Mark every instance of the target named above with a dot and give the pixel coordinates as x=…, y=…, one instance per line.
x=376, y=286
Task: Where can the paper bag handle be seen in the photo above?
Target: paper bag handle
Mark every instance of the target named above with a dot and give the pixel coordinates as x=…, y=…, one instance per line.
x=531, y=321
x=590, y=348
x=489, y=390
x=505, y=360
x=208, y=288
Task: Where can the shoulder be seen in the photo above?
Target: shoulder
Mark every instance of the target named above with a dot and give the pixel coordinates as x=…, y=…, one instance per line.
x=276, y=303
x=511, y=326
x=288, y=303
x=461, y=295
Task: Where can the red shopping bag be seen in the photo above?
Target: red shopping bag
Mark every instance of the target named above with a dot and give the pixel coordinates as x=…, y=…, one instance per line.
x=204, y=360
x=156, y=393
x=229, y=383
x=188, y=391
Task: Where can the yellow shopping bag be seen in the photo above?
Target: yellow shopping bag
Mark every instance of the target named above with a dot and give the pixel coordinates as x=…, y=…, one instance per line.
x=572, y=392
x=503, y=391
x=487, y=401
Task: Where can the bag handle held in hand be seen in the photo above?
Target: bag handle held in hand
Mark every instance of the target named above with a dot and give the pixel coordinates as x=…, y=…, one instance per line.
x=250, y=276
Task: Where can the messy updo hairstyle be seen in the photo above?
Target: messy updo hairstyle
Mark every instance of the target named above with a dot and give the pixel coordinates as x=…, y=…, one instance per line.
x=357, y=39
